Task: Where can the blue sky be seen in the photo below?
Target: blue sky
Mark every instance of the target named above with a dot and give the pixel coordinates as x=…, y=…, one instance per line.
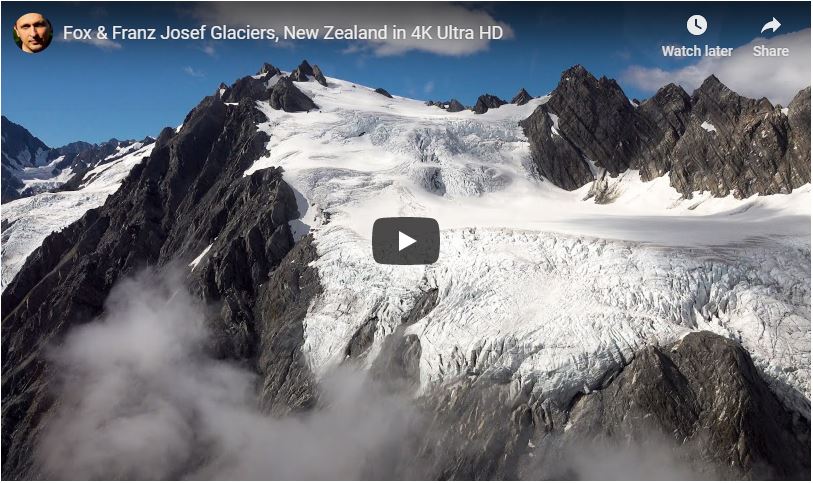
x=79, y=91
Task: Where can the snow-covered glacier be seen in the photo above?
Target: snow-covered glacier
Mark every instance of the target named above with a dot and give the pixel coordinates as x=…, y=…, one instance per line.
x=27, y=221
x=536, y=286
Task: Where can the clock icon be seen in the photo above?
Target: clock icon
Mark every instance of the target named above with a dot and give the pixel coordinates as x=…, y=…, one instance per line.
x=696, y=25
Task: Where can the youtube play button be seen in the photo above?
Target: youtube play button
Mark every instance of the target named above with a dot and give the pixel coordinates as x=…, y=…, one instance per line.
x=406, y=241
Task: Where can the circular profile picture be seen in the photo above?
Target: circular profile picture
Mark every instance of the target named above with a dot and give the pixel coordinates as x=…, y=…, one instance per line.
x=33, y=33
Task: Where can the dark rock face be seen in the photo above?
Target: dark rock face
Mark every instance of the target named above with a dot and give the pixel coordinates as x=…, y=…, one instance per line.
x=669, y=109
x=714, y=141
x=284, y=95
x=320, y=77
x=521, y=98
x=304, y=70
x=383, y=92
x=20, y=147
x=281, y=92
x=247, y=87
x=705, y=392
x=10, y=185
x=738, y=145
x=280, y=308
x=596, y=117
x=486, y=102
x=455, y=106
x=189, y=193
x=556, y=158
x=479, y=431
x=268, y=70
x=798, y=153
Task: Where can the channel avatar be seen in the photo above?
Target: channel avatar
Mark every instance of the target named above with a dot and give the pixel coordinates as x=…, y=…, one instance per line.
x=33, y=33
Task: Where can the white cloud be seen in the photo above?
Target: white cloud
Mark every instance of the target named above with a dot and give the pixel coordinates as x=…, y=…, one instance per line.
x=193, y=72
x=777, y=78
x=429, y=87
x=365, y=15
x=104, y=44
x=141, y=398
x=209, y=49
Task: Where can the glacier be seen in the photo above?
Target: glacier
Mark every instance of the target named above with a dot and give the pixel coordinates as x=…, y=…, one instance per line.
x=537, y=287
x=27, y=221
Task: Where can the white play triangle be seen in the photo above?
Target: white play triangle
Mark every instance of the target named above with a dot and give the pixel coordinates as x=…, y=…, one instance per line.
x=404, y=241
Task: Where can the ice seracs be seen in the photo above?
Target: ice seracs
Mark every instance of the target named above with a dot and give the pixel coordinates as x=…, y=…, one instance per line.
x=536, y=285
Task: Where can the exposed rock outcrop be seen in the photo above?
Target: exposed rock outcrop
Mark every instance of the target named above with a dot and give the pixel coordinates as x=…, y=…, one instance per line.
x=735, y=145
x=715, y=140
x=285, y=96
x=452, y=106
x=706, y=395
x=269, y=85
x=305, y=71
x=486, y=102
x=521, y=98
x=383, y=92
x=455, y=106
x=268, y=70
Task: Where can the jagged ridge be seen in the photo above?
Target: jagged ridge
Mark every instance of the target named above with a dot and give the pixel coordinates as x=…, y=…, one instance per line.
x=713, y=140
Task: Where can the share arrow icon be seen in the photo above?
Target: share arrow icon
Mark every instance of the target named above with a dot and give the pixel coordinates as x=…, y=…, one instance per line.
x=773, y=25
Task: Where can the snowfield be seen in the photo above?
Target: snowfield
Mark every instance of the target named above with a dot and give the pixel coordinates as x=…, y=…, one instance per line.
x=27, y=221
x=537, y=287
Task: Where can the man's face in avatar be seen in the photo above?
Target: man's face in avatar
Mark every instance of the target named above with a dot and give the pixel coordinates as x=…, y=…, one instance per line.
x=32, y=28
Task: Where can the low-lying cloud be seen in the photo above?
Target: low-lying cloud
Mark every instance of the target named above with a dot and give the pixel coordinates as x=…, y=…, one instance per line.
x=777, y=78
x=650, y=456
x=139, y=397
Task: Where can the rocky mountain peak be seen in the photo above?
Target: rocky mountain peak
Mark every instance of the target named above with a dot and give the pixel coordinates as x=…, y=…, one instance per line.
x=713, y=84
x=578, y=85
x=268, y=70
x=455, y=106
x=577, y=72
x=521, y=98
x=714, y=140
x=486, y=102
x=281, y=92
x=304, y=71
x=671, y=92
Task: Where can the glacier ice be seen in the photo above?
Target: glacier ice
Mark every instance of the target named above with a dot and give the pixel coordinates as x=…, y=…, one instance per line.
x=536, y=286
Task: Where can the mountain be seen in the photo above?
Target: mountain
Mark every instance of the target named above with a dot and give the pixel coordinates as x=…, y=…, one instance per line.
x=486, y=102
x=20, y=150
x=56, y=188
x=30, y=167
x=714, y=140
x=549, y=323
x=521, y=98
